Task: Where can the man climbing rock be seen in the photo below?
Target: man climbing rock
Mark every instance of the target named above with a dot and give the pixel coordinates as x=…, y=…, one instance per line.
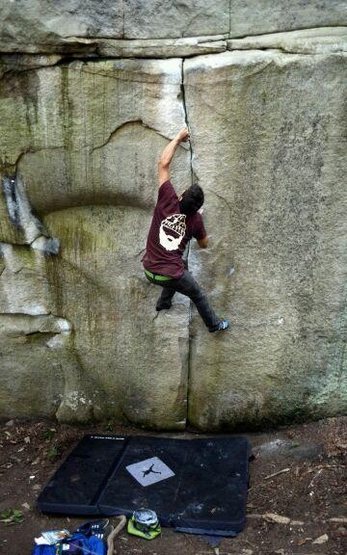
x=175, y=221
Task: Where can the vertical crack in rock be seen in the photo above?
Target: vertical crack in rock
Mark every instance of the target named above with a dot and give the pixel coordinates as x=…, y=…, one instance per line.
x=192, y=177
x=341, y=327
x=123, y=20
x=192, y=174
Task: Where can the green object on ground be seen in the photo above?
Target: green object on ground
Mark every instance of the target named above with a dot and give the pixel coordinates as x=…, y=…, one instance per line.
x=144, y=524
x=11, y=516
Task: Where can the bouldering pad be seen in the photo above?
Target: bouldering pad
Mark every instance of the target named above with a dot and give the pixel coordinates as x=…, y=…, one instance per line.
x=195, y=485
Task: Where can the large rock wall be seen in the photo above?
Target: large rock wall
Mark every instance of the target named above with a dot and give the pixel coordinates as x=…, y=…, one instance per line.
x=90, y=94
x=275, y=208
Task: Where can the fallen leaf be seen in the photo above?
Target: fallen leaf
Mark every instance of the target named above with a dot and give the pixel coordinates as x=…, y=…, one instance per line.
x=276, y=473
x=339, y=519
x=322, y=539
x=273, y=517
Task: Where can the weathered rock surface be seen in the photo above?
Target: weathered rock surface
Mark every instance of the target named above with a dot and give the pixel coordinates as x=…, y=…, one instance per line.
x=158, y=48
x=46, y=23
x=270, y=153
x=32, y=377
x=43, y=26
x=266, y=16
x=88, y=161
x=167, y=19
x=323, y=40
x=79, y=144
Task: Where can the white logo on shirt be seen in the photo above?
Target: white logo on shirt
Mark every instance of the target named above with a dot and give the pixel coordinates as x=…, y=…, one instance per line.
x=171, y=232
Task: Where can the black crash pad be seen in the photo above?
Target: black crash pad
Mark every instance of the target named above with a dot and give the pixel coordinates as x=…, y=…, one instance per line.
x=194, y=485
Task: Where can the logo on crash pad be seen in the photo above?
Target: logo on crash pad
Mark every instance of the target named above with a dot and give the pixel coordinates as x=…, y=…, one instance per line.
x=150, y=471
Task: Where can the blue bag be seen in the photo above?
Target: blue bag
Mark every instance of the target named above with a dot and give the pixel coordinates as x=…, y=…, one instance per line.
x=78, y=544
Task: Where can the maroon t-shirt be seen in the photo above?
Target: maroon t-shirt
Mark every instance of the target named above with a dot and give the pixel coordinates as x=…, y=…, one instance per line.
x=169, y=233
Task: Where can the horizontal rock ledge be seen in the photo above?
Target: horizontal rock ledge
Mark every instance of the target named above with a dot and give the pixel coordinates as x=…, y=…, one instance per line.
x=119, y=48
x=322, y=40
x=27, y=324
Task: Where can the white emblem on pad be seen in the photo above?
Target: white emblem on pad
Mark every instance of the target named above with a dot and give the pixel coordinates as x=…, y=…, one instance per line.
x=150, y=471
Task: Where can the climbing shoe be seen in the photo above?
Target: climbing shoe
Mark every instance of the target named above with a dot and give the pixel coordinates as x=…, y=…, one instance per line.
x=221, y=326
x=94, y=528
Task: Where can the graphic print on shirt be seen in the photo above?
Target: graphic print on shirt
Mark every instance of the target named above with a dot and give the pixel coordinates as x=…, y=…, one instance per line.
x=172, y=231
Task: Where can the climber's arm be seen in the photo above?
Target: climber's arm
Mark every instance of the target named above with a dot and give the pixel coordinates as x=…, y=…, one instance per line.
x=167, y=155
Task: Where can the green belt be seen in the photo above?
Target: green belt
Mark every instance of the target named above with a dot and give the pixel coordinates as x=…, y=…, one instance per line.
x=157, y=277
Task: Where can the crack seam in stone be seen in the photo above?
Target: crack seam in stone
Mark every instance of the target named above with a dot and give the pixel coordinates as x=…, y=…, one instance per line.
x=189, y=358
x=211, y=40
x=37, y=316
x=341, y=329
x=187, y=123
x=282, y=50
x=29, y=150
x=93, y=58
x=115, y=131
x=222, y=199
x=91, y=41
x=289, y=31
x=20, y=314
x=123, y=19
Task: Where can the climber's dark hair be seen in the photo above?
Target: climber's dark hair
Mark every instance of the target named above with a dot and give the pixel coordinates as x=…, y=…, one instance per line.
x=192, y=199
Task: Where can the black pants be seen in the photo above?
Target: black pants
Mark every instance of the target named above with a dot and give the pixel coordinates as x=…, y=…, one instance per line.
x=190, y=288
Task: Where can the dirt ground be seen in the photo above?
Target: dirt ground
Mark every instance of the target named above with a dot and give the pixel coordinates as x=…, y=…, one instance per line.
x=297, y=473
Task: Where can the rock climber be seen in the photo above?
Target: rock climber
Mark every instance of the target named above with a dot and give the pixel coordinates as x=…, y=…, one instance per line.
x=175, y=221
